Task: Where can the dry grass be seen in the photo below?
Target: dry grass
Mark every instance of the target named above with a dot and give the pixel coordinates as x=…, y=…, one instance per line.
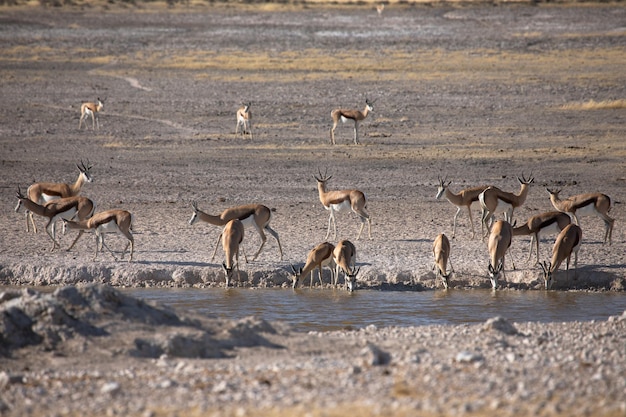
x=596, y=105
x=318, y=64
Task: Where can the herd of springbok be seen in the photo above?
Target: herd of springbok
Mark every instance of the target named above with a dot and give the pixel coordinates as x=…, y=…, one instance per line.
x=500, y=233
x=60, y=201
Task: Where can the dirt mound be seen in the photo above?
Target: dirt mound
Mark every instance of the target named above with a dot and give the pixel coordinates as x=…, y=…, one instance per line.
x=33, y=318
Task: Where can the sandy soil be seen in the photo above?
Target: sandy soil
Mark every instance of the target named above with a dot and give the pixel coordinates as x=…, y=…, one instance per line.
x=477, y=94
x=472, y=94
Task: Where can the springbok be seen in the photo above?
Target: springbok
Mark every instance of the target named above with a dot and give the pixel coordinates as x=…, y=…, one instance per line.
x=232, y=236
x=349, y=114
x=256, y=215
x=110, y=221
x=341, y=200
x=499, y=243
x=465, y=198
x=43, y=192
x=567, y=242
x=318, y=257
x=69, y=208
x=244, y=119
x=586, y=204
x=550, y=222
x=494, y=200
x=344, y=256
x=90, y=109
x=441, y=253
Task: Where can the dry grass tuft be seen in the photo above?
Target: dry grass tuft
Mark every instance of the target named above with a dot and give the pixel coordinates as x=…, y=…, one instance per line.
x=596, y=105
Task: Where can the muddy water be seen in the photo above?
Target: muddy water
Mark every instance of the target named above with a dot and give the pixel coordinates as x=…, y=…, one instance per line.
x=334, y=309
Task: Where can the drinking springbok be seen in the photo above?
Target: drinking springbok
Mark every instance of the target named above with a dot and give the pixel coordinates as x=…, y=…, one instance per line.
x=499, y=243
x=567, y=242
x=232, y=236
x=344, y=256
x=441, y=253
x=318, y=257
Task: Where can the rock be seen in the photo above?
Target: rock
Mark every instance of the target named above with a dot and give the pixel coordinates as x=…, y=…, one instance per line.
x=500, y=324
x=110, y=388
x=468, y=357
x=373, y=356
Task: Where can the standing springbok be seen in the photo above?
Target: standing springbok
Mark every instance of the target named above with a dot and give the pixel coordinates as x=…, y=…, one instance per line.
x=344, y=256
x=441, y=253
x=91, y=109
x=256, y=215
x=232, y=236
x=318, y=257
x=550, y=222
x=355, y=115
x=568, y=241
x=499, y=243
x=494, y=200
x=110, y=221
x=244, y=119
x=465, y=198
x=43, y=192
x=586, y=205
x=341, y=200
x=69, y=208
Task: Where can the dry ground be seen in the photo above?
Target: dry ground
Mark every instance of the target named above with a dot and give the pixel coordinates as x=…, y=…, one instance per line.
x=480, y=95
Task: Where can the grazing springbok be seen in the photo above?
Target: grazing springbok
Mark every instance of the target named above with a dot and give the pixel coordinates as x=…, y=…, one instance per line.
x=493, y=200
x=256, y=215
x=110, y=221
x=43, y=192
x=318, y=257
x=355, y=115
x=568, y=241
x=550, y=222
x=586, y=204
x=441, y=253
x=465, y=198
x=232, y=236
x=342, y=200
x=90, y=109
x=244, y=119
x=69, y=208
x=344, y=257
x=499, y=243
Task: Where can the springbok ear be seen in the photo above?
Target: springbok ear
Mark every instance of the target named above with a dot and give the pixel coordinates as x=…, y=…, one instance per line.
x=224, y=267
x=490, y=268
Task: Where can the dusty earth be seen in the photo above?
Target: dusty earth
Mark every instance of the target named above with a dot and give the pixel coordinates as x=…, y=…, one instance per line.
x=479, y=94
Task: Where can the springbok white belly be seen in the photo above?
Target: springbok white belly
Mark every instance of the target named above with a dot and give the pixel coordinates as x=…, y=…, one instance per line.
x=327, y=261
x=503, y=207
x=588, y=210
x=67, y=215
x=109, y=227
x=248, y=221
x=343, y=206
x=46, y=198
x=551, y=229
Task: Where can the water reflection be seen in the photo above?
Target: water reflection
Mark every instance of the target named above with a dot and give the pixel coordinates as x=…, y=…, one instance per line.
x=314, y=309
